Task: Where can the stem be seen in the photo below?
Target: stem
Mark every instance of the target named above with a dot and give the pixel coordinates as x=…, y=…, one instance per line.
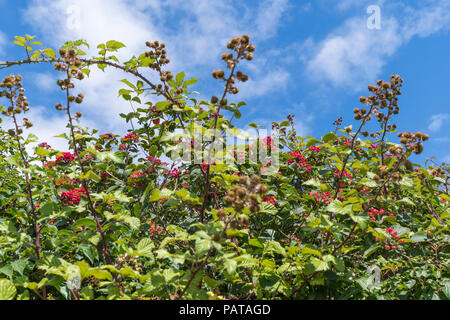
x=88, y=195
x=216, y=117
x=30, y=196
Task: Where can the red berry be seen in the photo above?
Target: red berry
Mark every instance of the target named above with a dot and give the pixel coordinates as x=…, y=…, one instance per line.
x=387, y=247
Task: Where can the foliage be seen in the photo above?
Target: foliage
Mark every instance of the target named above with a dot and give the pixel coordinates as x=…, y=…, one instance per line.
x=110, y=220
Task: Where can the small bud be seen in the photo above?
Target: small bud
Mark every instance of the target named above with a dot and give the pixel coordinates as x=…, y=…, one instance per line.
x=372, y=88
x=214, y=99
x=245, y=38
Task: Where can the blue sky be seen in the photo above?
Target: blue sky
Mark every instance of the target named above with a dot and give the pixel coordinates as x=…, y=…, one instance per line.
x=314, y=59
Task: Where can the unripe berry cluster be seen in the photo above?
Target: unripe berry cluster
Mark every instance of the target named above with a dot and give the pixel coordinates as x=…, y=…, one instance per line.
x=15, y=92
x=412, y=141
x=246, y=195
x=243, y=50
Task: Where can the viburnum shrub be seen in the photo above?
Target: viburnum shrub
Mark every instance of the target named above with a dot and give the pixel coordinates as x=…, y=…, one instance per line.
x=108, y=219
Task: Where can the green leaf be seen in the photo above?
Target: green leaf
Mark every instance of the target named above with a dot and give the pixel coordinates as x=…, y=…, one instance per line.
x=419, y=237
x=128, y=83
x=255, y=243
x=144, y=248
x=162, y=105
x=7, y=290
x=371, y=250
x=308, y=250
x=202, y=246
x=113, y=44
x=320, y=265
x=41, y=151
x=19, y=265
x=230, y=266
x=85, y=222
x=91, y=175
x=269, y=208
x=329, y=137
x=50, y=53
x=179, y=78
x=338, y=207
x=20, y=39
x=19, y=43
x=312, y=182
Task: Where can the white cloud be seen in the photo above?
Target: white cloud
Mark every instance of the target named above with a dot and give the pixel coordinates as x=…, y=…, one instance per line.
x=46, y=127
x=275, y=80
x=2, y=42
x=269, y=15
x=352, y=54
x=195, y=33
x=44, y=81
x=437, y=120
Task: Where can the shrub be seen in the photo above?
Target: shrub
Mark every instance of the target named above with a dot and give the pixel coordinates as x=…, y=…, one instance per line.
x=110, y=219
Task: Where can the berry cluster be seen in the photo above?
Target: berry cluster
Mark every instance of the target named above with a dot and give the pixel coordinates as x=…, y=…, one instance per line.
x=365, y=191
x=314, y=149
x=324, y=197
x=66, y=157
x=337, y=173
x=267, y=141
x=155, y=230
x=270, y=199
x=300, y=159
x=393, y=237
x=72, y=197
x=176, y=173
x=155, y=164
x=106, y=136
x=378, y=212
x=291, y=237
x=88, y=157
x=104, y=175
x=45, y=145
x=130, y=137
x=137, y=178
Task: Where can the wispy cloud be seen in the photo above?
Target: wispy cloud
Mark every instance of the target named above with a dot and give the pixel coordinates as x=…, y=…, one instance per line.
x=437, y=120
x=353, y=54
x=2, y=42
x=44, y=81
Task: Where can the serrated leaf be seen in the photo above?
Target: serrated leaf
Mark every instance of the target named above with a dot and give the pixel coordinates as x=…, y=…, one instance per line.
x=7, y=290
